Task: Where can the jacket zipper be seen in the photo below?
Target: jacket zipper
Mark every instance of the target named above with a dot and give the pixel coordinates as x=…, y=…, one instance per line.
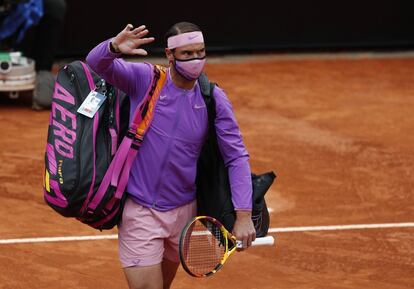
x=164, y=161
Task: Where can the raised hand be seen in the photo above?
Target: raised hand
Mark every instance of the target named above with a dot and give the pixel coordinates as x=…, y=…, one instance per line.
x=129, y=40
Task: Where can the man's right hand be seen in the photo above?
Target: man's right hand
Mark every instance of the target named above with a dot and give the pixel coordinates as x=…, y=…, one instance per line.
x=129, y=40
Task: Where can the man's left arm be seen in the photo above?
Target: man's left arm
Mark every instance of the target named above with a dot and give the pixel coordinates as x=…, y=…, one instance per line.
x=236, y=159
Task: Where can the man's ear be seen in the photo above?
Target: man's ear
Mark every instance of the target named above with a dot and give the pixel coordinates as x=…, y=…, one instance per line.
x=169, y=54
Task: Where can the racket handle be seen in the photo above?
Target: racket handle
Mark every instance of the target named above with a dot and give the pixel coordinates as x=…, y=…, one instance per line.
x=264, y=241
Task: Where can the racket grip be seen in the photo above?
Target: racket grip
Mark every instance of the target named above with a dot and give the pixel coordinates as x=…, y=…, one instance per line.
x=264, y=241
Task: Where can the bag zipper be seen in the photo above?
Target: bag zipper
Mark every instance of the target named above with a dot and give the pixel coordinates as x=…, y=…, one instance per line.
x=73, y=79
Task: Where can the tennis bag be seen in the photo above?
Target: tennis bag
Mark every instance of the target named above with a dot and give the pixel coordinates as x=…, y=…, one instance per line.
x=212, y=180
x=87, y=160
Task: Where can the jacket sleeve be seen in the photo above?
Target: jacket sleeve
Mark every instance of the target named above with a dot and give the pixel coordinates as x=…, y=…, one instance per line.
x=132, y=78
x=234, y=152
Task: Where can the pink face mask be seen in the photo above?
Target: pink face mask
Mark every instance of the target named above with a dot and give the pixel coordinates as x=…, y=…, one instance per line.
x=190, y=69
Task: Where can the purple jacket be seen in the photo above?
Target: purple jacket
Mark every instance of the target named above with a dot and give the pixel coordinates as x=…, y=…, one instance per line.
x=163, y=173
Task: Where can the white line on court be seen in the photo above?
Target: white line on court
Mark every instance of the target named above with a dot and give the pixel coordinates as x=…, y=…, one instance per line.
x=58, y=239
x=271, y=230
x=341, y=227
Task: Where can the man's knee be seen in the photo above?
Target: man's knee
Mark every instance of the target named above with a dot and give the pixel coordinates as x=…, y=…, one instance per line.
x=149, y=277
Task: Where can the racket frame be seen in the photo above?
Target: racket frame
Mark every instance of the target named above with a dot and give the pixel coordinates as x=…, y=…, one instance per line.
x=227, y=251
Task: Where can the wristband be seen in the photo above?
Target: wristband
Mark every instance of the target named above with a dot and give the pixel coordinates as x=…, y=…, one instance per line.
x=112, y=48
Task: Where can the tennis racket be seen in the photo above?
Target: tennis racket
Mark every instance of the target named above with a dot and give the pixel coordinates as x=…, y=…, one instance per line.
x=205, y=245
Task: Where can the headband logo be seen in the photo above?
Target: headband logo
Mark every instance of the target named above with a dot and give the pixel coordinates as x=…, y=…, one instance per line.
x=185, y=39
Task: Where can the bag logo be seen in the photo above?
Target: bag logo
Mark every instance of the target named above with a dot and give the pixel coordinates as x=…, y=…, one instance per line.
x=64, y=123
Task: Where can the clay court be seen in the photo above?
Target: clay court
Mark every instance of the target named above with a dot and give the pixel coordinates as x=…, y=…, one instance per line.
x=337, y=130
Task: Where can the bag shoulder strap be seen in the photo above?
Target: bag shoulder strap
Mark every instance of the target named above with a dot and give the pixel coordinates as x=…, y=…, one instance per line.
x=118, y=172
x=144, y=112
x=207, y=91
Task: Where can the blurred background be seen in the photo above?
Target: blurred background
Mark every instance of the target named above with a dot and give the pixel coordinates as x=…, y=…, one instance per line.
x=55, y=32
x=323, y=93
x=232, y=26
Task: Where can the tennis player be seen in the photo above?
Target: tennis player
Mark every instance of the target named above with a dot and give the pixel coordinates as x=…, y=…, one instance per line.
x=161, y=187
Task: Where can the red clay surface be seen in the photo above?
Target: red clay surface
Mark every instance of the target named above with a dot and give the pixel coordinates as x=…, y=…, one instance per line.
x=338, y=133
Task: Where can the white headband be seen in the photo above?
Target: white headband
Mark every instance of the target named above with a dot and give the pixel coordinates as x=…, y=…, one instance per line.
x=185, y=39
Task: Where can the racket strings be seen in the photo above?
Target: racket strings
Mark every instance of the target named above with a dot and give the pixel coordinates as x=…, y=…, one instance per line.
x=204, y=247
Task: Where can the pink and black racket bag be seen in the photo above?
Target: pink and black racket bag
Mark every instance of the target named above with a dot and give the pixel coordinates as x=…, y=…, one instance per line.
x=88, y=160
x=79, y=149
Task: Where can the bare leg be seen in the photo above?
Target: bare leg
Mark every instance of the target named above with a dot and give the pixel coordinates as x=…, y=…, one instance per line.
x=149, y=277
x=169, y=269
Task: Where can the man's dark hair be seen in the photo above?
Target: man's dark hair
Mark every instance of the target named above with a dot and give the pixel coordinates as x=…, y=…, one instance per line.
x=179, y=28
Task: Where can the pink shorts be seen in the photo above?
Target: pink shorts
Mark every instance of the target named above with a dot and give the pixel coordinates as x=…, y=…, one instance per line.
x=147, y=236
